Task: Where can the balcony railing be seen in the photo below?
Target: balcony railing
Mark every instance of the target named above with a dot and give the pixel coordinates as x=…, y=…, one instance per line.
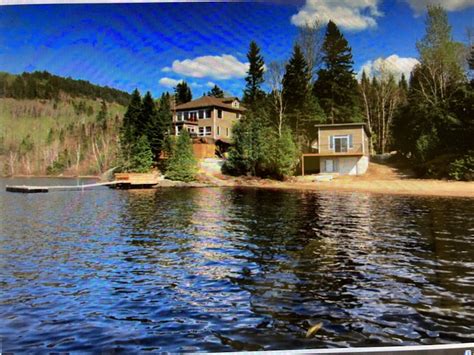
x=356, y=148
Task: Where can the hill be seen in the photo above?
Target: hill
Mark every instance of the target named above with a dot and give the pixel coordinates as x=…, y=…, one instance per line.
x=57, y=125
x=44, y=85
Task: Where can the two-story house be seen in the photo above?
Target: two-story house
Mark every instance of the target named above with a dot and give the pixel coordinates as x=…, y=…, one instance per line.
x=339, y=148
x=208, y=117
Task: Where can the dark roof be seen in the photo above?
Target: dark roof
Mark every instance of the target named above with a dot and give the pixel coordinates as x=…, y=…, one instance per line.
x=342, y=125
x=211, y=101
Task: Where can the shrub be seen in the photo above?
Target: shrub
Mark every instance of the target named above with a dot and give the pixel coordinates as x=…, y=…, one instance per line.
x=463, y=168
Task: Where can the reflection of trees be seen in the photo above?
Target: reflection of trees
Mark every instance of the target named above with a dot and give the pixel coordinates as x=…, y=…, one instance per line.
x=152, y=217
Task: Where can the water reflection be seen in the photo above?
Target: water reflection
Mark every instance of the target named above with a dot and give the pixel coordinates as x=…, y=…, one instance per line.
x=233, y=269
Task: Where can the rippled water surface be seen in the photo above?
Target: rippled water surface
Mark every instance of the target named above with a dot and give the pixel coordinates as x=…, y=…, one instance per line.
x=232, y=269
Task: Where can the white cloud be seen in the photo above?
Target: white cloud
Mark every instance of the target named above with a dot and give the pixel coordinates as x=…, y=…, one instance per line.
x=168, y=82
x=348, y=14
x=210, y=84
x=392, y=64
x=419, y=6
x=219, y=67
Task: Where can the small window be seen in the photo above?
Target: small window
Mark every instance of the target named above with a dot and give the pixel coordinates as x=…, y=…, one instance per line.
x=186, y=115
x=201, y=131
x=208, y=130
x=208, y=113
x=219, y=113
x=201, y=114
x=218, y=131
x=227, y=132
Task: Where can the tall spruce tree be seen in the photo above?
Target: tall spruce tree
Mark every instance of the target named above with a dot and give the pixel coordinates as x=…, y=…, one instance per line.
x=147, y=114
x=336, y=86
x=128, y=130
x=300, y=107
x=253, y=92
x=216, y=91
x=183, y=93
x=160, y=125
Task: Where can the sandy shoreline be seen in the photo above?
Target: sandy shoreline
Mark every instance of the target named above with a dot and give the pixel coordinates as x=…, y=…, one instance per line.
x=364, y=184
x=412, y=187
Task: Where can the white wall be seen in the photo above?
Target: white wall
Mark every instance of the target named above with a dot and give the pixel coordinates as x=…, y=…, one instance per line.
x=347, y=165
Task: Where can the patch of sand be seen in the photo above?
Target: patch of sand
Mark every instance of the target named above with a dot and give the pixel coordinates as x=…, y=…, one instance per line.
x=380, y=178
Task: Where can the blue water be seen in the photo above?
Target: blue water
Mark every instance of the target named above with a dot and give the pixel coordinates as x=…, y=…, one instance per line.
x=221, y=269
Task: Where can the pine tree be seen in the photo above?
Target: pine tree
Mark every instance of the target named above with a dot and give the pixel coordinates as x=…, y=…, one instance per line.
x=300, y=107
x=253, y=92
x=160, y=125
x=336, y=86
x=182, y=164
x=128, y=130
x=216, y=91
x=147, y=115
x=183, y=93
x=141, y=156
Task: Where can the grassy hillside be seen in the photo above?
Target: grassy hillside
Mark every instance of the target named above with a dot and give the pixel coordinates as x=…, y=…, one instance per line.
x=54, y=125
x=59, y=136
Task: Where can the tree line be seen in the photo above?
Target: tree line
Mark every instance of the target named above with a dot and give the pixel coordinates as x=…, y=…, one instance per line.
x=146, y=138
x=429, y=119
x=43, y=85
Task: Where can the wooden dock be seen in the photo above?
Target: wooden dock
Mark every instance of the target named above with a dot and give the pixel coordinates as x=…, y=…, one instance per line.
x=123, y=181
x=38, y=189
x=122, y=185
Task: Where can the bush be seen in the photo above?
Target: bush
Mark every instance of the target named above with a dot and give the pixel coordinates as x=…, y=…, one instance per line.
x=463, y=168
x=181, y=164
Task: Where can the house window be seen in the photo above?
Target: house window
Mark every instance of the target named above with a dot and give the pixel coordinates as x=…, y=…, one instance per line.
x=208, y=113
x=218, y=131
x=340, y=144
x=227, y=132
x=186, y=115
x=208, y=130
x=201, y=131
x=201, y=114
x=219, y=113
x=193, y=115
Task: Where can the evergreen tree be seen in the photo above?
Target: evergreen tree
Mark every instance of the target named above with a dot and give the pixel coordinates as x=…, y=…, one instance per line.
x=147, y=115
x=336, y=86
x=182, y=165
x=129, y=133
x=160, y=125
x=300, y=107
x=216, y=92
x=183, y=93
x=101, y=117
x=254, y=80
x=141, y=156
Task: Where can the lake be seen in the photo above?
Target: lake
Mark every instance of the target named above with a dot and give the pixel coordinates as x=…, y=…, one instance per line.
x=221, y=269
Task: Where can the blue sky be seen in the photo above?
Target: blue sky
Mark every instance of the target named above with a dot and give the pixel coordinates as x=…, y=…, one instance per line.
x=152, y=46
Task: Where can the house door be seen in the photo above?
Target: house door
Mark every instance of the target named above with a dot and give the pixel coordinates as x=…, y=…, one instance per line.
x=340, y=144
x=329, y=166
